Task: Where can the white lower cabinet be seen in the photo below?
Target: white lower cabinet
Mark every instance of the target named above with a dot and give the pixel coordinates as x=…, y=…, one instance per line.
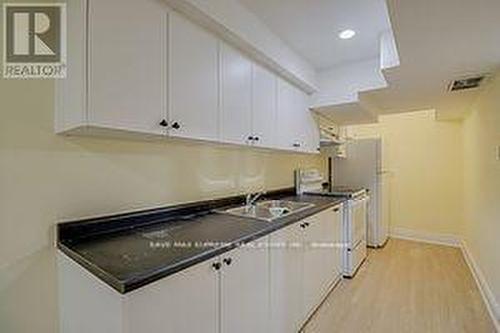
x=322, y=256
x=249, y=289
x=314, y=264
x=184, y=302
x=228, y=294
x=286, y=279
x=333, y=235
x=245, y=290
x=204, y=298
x=305, y=262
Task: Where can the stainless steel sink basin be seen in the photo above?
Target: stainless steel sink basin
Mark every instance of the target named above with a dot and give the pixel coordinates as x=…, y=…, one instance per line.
x=269, y=210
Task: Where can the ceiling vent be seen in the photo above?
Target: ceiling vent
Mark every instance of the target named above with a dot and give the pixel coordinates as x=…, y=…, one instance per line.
x=466, y=83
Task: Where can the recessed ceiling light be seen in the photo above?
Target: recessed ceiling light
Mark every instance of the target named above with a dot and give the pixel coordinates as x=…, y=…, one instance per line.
x=347, y=34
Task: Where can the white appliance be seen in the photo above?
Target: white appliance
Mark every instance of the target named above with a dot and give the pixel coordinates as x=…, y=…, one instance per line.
x=354, y=217
x=363, y=168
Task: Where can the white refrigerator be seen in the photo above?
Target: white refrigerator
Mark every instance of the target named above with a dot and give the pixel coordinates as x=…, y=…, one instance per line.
x=362, y=167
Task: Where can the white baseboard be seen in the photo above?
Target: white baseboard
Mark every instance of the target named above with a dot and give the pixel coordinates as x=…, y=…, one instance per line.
x=425, y=237
x=484, y=288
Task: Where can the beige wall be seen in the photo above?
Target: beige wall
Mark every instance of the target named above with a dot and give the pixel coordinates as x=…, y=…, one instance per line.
x=46, y=178
x=482, y=186
x=425, y=159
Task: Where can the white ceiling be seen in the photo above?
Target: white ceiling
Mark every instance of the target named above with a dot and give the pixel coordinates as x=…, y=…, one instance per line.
x=439, y=40
x=310, y=27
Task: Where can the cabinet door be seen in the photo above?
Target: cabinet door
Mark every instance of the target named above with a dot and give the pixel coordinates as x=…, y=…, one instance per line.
x=245, y=290
x=337, y=241
x=308, y=131
x=311, y=132
x=185, y=302
x=315, y=137
x=236, y=96
x=286, y=279
x=193, y=80
x=127, y=61
x=303, y=120
x=289, y=117
x=314, y=263
x=264, y=104
x=331, y=224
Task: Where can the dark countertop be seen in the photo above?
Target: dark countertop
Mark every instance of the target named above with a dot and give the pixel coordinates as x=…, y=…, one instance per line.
x=128, y=251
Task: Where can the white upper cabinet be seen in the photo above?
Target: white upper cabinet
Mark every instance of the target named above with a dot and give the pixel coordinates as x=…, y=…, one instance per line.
x=296, y=126
x=160, y=74
x=264, y=107
x=314, y=137
x=126, y=65
x=288, y=119
x=308, y=128
x=236, y=96
x=193, y=80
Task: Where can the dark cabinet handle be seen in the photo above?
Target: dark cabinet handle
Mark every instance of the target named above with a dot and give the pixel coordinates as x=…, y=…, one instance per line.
x=251, y=138
x=228, y=261
x=296, y=145
x=216, y=265
x=306, y=224
x=336, y=209
x=256, y=138
x=163, y=123
x=303, y=225
x=176, y=125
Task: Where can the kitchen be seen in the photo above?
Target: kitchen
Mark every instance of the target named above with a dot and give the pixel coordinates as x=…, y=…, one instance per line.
x=171, y=118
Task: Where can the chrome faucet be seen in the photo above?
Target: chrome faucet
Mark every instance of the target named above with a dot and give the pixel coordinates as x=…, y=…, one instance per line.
x=252, y=197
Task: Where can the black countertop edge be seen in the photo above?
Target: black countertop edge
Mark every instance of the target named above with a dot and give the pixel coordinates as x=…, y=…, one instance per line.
x=71, y=231
x=127, y=286
x=94, y=269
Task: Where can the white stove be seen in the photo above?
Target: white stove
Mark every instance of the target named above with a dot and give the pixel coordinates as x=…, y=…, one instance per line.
x=355, y=215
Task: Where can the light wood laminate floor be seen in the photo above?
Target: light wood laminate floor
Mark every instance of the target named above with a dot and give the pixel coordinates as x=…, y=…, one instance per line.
x=406, y=287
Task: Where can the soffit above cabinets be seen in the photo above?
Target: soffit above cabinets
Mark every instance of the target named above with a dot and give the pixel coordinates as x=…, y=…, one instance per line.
x=348, y=113
x=344, y=95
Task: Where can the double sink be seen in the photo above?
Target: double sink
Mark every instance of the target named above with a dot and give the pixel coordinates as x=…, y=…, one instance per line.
x=268, y=210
